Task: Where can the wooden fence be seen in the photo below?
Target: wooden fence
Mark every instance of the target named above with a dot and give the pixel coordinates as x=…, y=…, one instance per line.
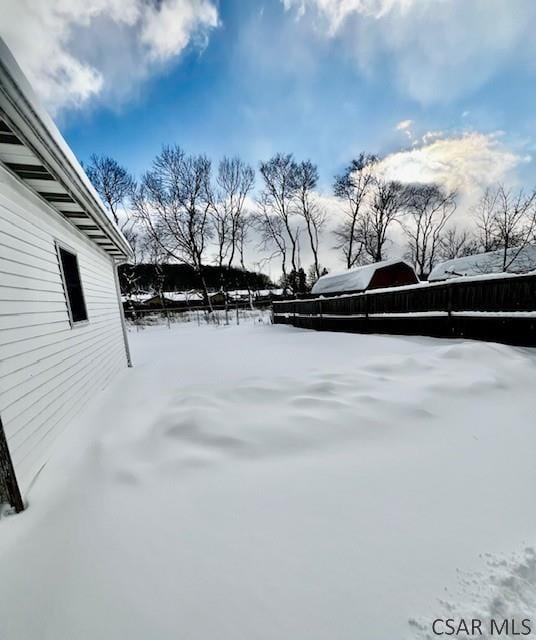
x=496, y=308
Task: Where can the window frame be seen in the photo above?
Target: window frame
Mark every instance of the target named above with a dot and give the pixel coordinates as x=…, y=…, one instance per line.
x=65, y=247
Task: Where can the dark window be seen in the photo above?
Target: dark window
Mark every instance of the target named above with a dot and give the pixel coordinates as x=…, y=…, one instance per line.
x=73, y=285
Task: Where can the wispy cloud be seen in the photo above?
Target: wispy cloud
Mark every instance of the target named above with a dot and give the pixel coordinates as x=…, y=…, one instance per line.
x=437, y=50
x=76, y=50
x=404, y=125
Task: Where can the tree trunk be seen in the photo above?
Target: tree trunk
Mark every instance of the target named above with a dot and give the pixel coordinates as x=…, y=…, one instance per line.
x=206, y=297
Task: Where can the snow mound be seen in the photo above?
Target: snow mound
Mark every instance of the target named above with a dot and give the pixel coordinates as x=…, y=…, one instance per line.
x=211, y=424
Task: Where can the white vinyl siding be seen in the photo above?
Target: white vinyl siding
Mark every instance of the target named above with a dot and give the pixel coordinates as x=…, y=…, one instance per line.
x=48, y=369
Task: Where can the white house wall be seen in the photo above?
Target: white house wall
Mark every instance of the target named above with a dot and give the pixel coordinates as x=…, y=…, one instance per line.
x=49, y=370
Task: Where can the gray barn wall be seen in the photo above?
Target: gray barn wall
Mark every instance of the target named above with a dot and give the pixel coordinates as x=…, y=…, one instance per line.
x=48, y=370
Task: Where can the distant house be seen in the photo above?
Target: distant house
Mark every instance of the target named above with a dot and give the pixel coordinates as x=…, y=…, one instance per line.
x=138, y=298
x=61, y=325
x=517, y=261
x=173, y=299
x=389, y=273
x=157, y=300
x=258, y=295
x=179, y=299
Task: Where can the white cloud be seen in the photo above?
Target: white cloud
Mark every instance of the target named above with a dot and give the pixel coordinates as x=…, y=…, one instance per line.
x=437, y=50
x=75, y=50
x=468, y=162
x=404, y=125
x=167, y=30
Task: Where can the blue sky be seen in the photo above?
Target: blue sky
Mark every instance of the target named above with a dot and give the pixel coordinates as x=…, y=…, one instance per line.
x=443, y=89
x=271, y=75
x=239, y=95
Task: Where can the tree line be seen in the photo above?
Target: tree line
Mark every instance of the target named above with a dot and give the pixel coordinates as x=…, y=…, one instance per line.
x=184, y=210
x=182, y=277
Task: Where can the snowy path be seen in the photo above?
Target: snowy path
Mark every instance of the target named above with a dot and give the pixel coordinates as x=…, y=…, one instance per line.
x=268, y=483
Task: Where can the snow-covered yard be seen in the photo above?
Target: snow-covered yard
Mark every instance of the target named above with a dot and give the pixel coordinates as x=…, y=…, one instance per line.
x=264, y=482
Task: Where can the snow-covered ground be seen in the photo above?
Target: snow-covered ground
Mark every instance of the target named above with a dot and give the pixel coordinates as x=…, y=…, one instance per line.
x=265, y=482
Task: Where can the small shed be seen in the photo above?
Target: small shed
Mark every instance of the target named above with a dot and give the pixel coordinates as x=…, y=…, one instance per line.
x=217, y=298
x=517, y=261
x=62, y=329
x=379, y=275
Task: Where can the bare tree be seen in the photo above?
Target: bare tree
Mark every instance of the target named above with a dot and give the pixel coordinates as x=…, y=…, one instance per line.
x=428, y=209
x=485, y=220
x=113, y=183
x=158, y=257
x=272, y=231
x=514, y=222
x=306, y=180
x=129, y=272
x=456, y=243
x=353, y=187
x=243, y=230
x=233, y=183
x=277, y=200
x=387, y=202
x=506, y=220
x=172, y=202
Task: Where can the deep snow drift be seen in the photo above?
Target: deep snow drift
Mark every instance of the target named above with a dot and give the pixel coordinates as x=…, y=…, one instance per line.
x=274, y=483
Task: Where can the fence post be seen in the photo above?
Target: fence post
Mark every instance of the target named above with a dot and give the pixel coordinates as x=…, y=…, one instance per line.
x=449, y=308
